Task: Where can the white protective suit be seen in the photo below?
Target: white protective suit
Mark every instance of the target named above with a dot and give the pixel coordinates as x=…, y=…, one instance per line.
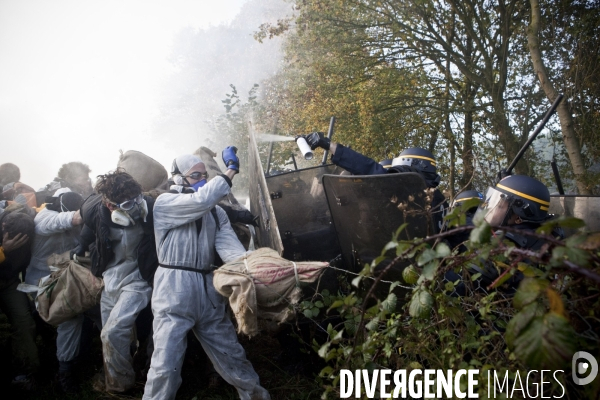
x=54, y=233
x=186, y=300
x=124, y=296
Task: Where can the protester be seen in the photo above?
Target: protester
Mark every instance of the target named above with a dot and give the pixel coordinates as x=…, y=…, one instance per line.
x=189, y=229
x=74, y=175
x=119, y=233
x=57, y=231
x=54, y=232
x=16, y=232
x=12, y=190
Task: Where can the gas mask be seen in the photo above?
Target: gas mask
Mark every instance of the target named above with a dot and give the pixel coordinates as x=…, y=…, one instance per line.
x=198, y=185
x=126, y=218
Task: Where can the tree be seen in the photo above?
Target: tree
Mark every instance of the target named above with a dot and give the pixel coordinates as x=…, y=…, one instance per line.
x=564, y=113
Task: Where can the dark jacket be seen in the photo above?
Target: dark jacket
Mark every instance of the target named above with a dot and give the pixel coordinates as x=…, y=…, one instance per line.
x=95, y=236
x=16, y=261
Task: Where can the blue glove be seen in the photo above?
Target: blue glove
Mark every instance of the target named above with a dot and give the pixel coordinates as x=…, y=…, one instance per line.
x=230, y=158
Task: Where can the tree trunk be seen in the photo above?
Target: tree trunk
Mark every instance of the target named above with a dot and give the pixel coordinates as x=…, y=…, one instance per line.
x=469, y=105
x=564, y=114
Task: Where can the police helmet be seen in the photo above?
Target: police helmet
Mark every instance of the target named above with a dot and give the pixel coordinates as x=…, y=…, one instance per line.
x=521, y=195
x=387, y=163
x=466, y=195
x=418, y=158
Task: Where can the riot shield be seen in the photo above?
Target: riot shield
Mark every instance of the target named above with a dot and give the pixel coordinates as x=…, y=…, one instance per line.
x=367, y=210
x=302, y=213
x=586, y=208
x=294, y=216
x=267, y=233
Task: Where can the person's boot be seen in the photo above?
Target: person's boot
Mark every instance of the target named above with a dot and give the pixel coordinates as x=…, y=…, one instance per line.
x=68, y=383
x=66, y=378
x=26, y=383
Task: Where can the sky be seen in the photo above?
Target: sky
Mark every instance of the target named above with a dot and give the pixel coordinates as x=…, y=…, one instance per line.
x=80, y=80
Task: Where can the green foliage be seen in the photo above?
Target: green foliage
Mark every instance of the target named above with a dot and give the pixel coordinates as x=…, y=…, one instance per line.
x=539, y=326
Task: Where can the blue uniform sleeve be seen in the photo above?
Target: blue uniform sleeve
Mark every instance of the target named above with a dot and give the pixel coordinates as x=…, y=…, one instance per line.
x=355, y=162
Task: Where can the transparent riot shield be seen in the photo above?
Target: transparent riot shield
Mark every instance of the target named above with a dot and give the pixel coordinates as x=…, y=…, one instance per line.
x=294, y=216
x=367, y=210
x=267, y=233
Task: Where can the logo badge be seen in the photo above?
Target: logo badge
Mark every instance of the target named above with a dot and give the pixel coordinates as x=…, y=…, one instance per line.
x=581, y=367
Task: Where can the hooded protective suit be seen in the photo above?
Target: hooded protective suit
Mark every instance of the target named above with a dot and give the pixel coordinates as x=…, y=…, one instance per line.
x=184, y=297
x=124, y=296
x=116, y=254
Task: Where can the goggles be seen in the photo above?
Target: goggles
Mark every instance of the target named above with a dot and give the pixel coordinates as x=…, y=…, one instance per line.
x=128, y=205
x=196, y=175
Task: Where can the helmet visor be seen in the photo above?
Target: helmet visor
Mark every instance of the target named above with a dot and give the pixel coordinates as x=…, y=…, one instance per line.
x=496, y=206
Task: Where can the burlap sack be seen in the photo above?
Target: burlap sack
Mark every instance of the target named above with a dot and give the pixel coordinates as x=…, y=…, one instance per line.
x=148, y=172
x=68, y=292
x=263, y=285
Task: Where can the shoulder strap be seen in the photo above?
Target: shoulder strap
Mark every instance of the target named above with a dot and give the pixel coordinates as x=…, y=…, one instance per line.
x=213, y=211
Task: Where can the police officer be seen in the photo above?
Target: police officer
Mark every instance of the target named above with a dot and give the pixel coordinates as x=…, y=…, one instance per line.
x=522, y=203
x=459, y=238
x=414, y=159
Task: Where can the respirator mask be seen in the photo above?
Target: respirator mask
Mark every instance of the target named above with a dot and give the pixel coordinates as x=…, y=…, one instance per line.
x=130, y=211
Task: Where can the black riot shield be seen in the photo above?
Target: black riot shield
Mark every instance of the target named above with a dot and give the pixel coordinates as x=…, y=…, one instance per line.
x=367, y=210
x=302, y=213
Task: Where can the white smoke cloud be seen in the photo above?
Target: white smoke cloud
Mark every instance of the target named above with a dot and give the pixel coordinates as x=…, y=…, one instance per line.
x=81, y=80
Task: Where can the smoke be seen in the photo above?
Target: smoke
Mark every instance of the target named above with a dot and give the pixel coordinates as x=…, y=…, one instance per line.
x=82, y=80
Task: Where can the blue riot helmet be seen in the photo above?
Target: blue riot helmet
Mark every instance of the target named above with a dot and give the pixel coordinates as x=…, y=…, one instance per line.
x=520, y=195
x=387, y=163
x=416, y=159
x=466, y=195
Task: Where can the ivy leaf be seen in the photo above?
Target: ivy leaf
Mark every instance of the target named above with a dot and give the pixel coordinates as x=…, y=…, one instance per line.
x=570, y=222
x=578, y=256
x=442, y=250
x=373, y=324
x=430, y=270
x=410, y=275
x=529, y=290
x=336, y=304
x=481, y=234
x=520, y=321
x=426, y=256
x=389, y=304
x=389, y=246
x=420, y=304
x=556, y=303
x=546, y=342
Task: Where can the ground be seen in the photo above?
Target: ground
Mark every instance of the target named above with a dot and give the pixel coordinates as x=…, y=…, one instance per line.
x=261, y=350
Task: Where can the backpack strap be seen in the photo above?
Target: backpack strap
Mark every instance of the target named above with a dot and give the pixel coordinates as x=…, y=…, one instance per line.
x=213, y=211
